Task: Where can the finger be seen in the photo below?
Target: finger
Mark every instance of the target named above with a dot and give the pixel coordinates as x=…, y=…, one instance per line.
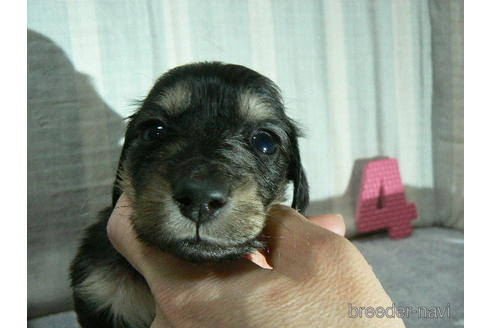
x=295, y=242
x=332, y=222
x=121, y=233
x=119, y=227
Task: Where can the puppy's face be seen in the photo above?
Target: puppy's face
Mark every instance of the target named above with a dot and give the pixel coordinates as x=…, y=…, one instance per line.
x=206, y=155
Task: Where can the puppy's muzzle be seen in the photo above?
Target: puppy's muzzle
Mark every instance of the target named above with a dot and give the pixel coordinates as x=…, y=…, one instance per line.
x=201, y=199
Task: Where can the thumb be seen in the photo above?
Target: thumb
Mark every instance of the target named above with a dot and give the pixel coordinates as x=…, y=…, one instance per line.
x=119, y=228
x=332, y=222
x=296, y=242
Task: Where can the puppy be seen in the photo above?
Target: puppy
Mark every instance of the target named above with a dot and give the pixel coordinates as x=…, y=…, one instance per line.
x=206, y=155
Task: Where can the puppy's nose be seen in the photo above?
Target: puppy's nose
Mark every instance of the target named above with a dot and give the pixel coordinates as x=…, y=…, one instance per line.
x=200, y=200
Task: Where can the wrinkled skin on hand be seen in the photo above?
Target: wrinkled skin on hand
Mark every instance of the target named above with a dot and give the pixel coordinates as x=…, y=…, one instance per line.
x=316, y=274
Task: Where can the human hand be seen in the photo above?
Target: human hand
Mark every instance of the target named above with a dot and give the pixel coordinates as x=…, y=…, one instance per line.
x=316, y=274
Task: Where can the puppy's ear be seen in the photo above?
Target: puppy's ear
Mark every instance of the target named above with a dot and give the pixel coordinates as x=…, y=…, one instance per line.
x=117, y=191
x=296, y=174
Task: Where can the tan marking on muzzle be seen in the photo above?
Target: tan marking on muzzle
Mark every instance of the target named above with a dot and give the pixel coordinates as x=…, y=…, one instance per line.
x=243, y=220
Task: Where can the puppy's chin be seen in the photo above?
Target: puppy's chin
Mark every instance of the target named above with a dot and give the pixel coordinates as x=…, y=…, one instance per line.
x=203, y=251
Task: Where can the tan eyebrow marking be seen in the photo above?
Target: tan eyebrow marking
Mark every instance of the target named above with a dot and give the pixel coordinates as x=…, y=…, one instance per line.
x=253, y=107
x=175, y=99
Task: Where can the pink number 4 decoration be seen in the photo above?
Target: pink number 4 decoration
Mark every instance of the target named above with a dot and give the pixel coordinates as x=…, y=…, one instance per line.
x=382, y=203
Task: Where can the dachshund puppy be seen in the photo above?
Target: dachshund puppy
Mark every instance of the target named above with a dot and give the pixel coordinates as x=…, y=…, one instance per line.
x=206, y=155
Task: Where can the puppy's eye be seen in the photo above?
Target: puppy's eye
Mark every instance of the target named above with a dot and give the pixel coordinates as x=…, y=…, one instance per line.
x=264, y=142
x=152, y=133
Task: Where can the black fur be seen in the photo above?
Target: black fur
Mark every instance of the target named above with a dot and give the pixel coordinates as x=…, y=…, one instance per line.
x=96, y=251
x=207, y=131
